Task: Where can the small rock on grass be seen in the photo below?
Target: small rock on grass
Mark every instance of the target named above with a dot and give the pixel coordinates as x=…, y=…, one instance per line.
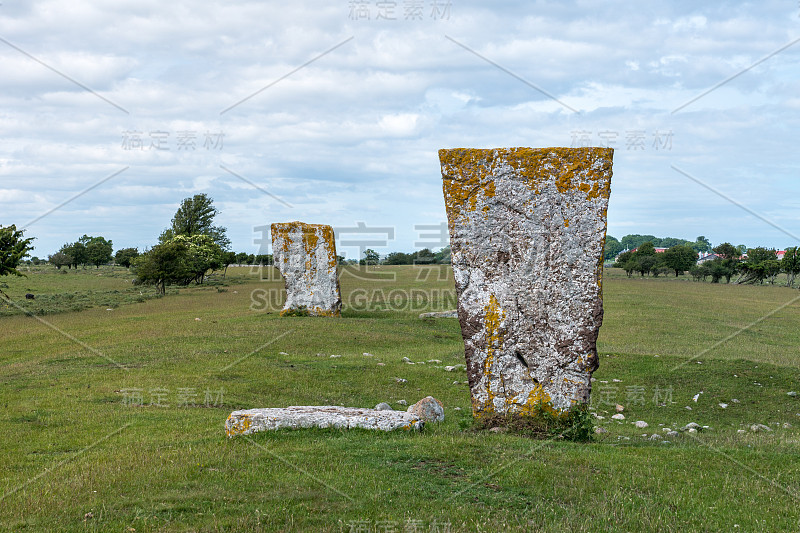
x=619, y=408
x=335, y=356
x=383, y=406
x=759, y=427
x=405, y=360
x=641, y=424
x=401, y=380
x=381, y=364
x=367, y=354
x=618, y=416
x=600, y=430
x=723, y=405
x=656, y=436
x=401, y=402
x=791, y=393
x=428, y=408
x=672, y=433
x=691, y=425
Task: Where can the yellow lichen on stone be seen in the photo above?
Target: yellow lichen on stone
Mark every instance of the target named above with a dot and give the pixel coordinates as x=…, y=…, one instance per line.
x=238, y=425
x=494, y=341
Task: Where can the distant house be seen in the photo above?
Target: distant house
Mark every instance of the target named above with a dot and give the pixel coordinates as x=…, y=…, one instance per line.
x=780, y=254
x=707, y=257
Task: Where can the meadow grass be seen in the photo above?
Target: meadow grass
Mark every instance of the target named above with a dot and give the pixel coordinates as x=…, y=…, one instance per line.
x=80, y=454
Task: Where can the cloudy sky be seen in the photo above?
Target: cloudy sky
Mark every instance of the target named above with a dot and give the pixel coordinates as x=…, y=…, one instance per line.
x=112, y=112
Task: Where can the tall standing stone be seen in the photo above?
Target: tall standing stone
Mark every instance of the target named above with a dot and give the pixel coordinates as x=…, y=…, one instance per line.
x=527, y=231
x=305, y=254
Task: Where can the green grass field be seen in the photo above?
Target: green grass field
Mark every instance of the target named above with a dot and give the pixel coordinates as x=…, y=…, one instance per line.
x=113, y=416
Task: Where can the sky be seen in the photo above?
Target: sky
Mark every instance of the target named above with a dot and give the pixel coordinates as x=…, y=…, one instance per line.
x=112, y=112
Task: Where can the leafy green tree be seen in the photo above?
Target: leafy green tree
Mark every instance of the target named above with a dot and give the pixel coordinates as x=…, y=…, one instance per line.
x=241, y=258
x=195, y=216
x=397, y=258
x=228, y=258
x=761, y=264
x=371, y=257
x=701, y=244
x=99, y=251
x=727, y=251
x=679, y=258
x=742, y=248
x=612, y=248
x=77, y=253
x=14, y=247
x=179, y=261
x=125, y=256
x=646, y=248
x=163, y=264
x=791, y=264
x=59, y=259
x=629, y=242
x=645, y=263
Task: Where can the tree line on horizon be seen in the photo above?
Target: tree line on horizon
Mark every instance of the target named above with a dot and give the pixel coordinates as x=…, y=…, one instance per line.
x=752, y=265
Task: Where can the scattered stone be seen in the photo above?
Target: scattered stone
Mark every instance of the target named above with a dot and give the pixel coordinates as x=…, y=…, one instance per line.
x=734, y=400
x=305, y=255
x=381, y=364
x=401, y=402
x=429, y=409
x=692, y=430
x=383, y=406
x=791, y=393
x=618, y=416
x=740, y=431
x=723, y=405
x=656, y=436
x=333, y=356
x=672, y=434
x=599, y=417
x=456, y=383
x=666, y=430
x=691, y=425
x=759, y=427
x=456, y=408
x=282, y=353
x=441, y=314
x=786, y=425
x=604, y=380
x=454, y=368
x=616, y=380
x=619, y=408
x=688, y=408
x=498, y=429
x=641, y=424
x=600, y=429
x=109, y=309
x=197, y=319
x=526, y=229
x=420, y=362
x=401, y=380
x=434, y=361
x=367, y=354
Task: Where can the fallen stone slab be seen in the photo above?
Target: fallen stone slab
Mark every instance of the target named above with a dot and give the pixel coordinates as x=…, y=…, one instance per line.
x=250, y=421
x=527, y=228
x=305, y=254
x=441, y=314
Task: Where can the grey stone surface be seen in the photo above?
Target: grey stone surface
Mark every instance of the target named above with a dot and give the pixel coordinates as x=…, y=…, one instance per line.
x=249, y=421
x=305, y=254
x=527, y=229
x=429, y=409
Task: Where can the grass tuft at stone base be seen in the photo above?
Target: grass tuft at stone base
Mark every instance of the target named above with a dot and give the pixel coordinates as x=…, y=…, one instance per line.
x=576, y=424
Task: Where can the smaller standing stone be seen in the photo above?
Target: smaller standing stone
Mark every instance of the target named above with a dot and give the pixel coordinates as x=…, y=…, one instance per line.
x=618, y=416
x=305, y=254
x=383, y=406
x=641, y=424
